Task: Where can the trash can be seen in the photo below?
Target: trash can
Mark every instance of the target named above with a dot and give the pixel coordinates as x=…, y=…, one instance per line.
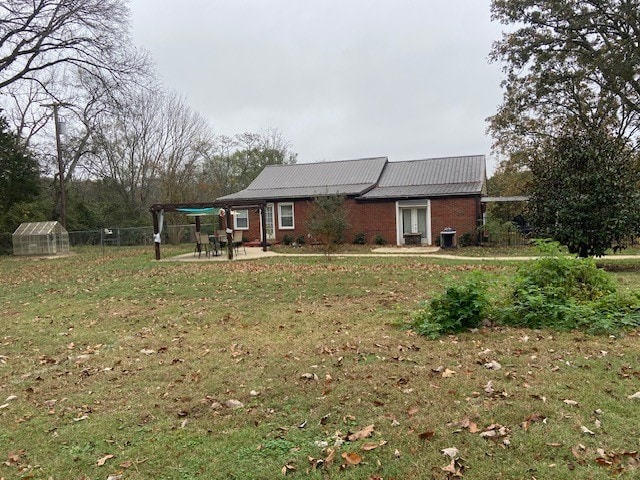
x=448, y=238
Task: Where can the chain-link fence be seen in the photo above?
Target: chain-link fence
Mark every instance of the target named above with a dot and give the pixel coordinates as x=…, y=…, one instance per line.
x=131, y=236
x=123, y=236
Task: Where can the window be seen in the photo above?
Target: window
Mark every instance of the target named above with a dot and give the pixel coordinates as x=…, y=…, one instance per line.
x=285, y=216
x=241, y=220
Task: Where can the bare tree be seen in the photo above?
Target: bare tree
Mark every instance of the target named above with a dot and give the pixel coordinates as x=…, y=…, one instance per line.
x=39, y=35
x=149, y=148
x=187, y=137
x=234, y=162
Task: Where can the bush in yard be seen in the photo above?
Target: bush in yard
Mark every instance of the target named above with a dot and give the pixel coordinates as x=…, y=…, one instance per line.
x=555, y=291
x=287, y=239
x=327, y=222
x=564, y=293
x=359, y=239
x=459, y=308
x=466, y=239
x=380, y=240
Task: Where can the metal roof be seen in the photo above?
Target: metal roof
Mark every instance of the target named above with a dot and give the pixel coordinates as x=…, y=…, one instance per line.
x=346, y=177
x=515, y=198
x=369, y=178
x=424, y=191
x=431, y=177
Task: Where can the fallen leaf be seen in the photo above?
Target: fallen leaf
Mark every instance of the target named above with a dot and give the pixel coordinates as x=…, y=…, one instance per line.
x=234, y=404
x=352, y=458
x=369, y=446
x=428, y=435
x=584, y=429
x=534, y=417
x=451, y=468
x=448, y=373
x=493, y=365
x=103, y=460
x=331, y=456
x=364, y=433
x=451, y=452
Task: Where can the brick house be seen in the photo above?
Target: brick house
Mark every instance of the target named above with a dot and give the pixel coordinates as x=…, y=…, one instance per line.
x=401, y=202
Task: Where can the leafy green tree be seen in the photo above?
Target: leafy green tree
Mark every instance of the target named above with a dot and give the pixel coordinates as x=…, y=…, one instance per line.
x=19, y=173
x=567, y=63
x=328, y=221
x=585, y=192
x=571, y=107
x=19, y=186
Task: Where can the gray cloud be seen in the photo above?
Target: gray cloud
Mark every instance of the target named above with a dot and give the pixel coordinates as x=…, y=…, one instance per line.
x=340, y=79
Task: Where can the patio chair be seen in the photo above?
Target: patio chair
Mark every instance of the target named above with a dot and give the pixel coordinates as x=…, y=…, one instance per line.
x=214, y=245
x=238, y=241
x=201, y=239
x=222, y=238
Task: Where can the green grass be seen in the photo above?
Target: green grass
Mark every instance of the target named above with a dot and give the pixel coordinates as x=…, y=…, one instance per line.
x=112, y=353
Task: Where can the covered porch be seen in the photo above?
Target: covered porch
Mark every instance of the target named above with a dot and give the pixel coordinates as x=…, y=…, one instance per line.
x=197, y=210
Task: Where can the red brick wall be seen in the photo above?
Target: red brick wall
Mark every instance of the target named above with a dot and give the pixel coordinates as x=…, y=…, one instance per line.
x=459, y=213
x=378, y=218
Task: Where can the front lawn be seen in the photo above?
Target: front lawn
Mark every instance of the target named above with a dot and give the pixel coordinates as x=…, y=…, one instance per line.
x=114, y=365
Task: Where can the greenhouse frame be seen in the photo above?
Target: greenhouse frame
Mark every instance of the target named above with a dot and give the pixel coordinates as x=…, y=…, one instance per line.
x=40, y=238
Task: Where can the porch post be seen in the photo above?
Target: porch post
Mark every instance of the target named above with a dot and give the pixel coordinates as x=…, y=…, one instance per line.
x=263, y=218
x=156, y=233
x=228, y=223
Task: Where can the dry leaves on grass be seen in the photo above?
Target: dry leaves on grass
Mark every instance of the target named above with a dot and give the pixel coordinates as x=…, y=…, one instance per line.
x=351, y=458
x=364, y=433
x=104, y=459
x=455, y=468
x=619, y=462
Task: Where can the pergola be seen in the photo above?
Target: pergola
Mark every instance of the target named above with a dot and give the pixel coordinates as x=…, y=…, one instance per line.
x=159, y=209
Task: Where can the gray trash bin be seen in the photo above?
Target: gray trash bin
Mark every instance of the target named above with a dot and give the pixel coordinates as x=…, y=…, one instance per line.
x=448, y=238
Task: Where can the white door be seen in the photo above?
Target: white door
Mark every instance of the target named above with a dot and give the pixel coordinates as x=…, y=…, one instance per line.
x=269, y=220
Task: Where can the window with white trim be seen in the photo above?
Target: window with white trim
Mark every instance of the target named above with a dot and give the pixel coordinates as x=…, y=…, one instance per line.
x=286, y=219
x=241, y=220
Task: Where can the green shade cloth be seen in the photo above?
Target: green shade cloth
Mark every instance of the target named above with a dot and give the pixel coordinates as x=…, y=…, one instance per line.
x=197, y=212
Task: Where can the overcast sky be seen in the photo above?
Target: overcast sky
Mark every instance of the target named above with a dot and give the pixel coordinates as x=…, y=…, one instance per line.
x=406, y=79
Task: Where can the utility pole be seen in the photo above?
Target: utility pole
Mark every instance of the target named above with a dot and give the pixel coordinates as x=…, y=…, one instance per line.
x=63, y=197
